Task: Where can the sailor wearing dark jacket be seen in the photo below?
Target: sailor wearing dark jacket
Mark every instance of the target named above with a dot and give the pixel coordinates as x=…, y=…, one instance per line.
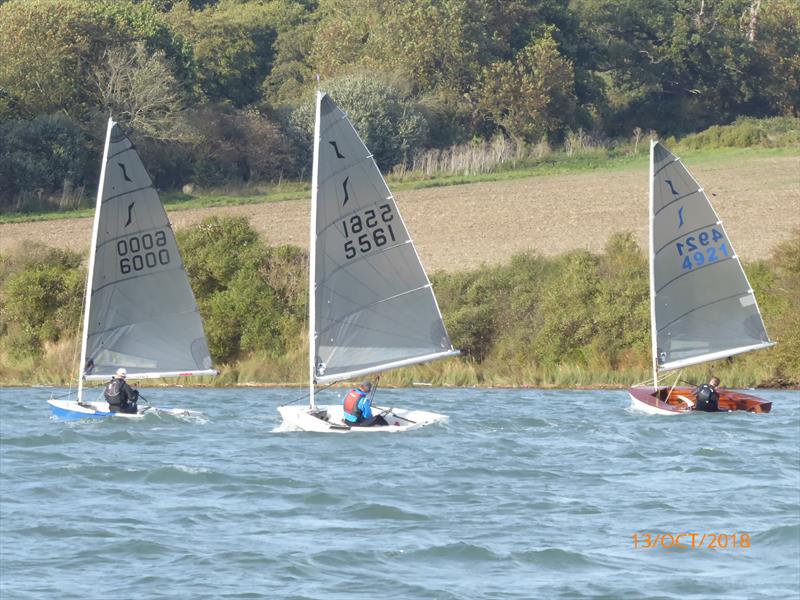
x=707, y=396
x=120, y=396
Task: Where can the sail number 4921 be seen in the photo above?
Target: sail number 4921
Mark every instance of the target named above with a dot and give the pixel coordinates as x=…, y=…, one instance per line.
x=362, y=232
x=697, y=250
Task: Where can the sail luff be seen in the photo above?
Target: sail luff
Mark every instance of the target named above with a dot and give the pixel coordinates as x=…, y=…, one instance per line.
x=312, y=258
x=653, y=326
x=92, y=252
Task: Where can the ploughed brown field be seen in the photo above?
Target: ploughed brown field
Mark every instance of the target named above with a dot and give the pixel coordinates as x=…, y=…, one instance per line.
x=463, y=226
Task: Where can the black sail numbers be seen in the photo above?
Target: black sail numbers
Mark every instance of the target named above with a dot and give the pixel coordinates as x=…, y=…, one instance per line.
x=140, y=247
x=141, y=252
x=366, y=229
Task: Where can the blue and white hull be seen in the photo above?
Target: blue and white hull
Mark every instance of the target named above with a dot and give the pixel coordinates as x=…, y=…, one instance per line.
x=70, y=410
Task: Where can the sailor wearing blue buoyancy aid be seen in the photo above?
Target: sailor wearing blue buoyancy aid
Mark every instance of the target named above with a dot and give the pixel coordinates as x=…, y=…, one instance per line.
x=358, y=408
x=357, y=404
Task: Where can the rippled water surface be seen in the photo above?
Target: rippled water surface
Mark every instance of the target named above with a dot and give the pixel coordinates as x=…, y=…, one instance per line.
x=523, y=494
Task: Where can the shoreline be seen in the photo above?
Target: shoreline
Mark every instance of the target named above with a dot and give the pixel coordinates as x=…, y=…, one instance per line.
x=397, y=387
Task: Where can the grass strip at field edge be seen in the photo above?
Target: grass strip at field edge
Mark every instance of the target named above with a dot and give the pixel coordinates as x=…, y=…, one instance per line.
x=546, y=166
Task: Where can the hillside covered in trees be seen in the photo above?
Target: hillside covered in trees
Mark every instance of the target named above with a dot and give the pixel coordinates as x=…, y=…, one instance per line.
x=220, y=92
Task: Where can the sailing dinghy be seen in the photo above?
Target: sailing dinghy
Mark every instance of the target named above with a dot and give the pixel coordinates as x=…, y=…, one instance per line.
x=139, y=312
x=371, y=304
x=702, y=307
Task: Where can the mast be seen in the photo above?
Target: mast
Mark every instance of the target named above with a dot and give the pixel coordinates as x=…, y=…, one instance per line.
x=92, y=249
x=653, y=330
x=312, y=257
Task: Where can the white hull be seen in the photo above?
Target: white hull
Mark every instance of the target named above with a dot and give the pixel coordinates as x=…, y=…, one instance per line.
x=329, y=419
x=71, y=409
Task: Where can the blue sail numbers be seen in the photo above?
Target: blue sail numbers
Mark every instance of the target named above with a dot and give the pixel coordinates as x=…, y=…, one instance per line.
x=703, y=305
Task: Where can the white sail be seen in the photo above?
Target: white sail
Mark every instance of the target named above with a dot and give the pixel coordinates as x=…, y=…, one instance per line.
x=140, y=310
x=703, y=306
x=372, y=306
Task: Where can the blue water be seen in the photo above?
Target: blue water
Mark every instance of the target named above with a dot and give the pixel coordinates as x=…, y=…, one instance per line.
x=523, y=494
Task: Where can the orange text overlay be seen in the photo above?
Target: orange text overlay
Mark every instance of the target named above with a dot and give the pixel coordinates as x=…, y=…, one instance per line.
x=688, y=540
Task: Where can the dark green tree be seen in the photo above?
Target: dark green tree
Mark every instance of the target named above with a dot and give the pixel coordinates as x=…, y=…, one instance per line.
x=48, y=49
x=775, y=36
x=531, y=96
x=39, y=158
x=232, y=46
x=676, y=69
x=385, y=118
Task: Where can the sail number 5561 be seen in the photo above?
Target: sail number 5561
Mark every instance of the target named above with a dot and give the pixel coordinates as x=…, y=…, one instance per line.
x=702, y=248
x=364, y=230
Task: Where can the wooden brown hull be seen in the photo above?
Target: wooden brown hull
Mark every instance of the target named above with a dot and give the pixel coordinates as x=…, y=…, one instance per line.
x=682, y=399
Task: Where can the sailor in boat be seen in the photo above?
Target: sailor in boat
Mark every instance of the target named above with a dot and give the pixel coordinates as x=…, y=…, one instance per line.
x=120, y=396
x=707, y=396
x=358, y=408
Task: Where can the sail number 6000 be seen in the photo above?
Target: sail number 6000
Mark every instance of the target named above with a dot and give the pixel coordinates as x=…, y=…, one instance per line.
x=364, y=230
x=142, y=252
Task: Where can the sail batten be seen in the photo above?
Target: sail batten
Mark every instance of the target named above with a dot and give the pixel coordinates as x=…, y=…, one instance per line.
x=383, y=250
x=702, y=305
x=126, y=193
x=675, y=239
x=375, y=303
x=674, y=200
x=111, y=240
x=113, y=283
x=662, y=167
x=695, y=308
x=372, y=305
x=690, y=273
x=334, y=173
